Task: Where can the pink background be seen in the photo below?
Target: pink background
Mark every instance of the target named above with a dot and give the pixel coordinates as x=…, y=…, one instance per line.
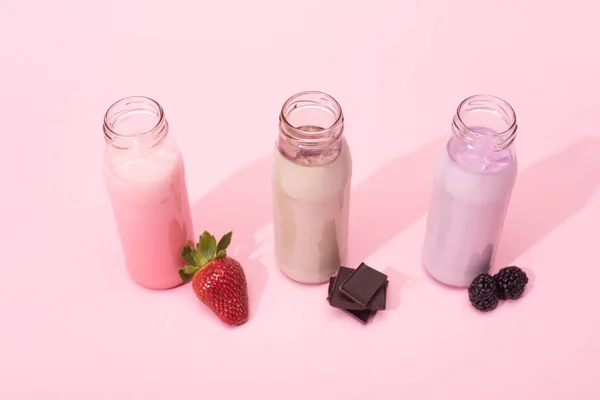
x=73, y=325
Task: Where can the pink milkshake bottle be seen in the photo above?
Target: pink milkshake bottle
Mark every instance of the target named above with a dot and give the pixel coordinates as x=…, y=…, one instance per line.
x=145, y=178
x=473, y=183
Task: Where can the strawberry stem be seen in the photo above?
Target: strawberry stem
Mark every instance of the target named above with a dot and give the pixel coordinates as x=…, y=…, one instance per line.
x=204, y=252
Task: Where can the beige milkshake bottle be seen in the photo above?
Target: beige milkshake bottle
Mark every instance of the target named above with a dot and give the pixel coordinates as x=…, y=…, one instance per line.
x=473, y=183
x=311, y=176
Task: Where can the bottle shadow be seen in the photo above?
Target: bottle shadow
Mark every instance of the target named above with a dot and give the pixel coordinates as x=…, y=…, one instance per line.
x=241, y=204
x=391, y=200
x=547, y=194
x=395, y=197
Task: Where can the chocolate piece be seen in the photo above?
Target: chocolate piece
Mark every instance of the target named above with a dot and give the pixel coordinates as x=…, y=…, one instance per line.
x=339, y=300
x=362, y=284
x=378, y=301
x=331, y=282
x=362, y=316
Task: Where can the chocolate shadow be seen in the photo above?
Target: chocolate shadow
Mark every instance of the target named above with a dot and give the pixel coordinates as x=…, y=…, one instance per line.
x=397, y=282
x=242, y=204
x=391, y=200
x=547, y=194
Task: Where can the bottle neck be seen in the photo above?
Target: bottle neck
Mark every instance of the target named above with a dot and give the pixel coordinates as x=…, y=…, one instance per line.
x=135, y=123
x=311, y=127
x=485, y=124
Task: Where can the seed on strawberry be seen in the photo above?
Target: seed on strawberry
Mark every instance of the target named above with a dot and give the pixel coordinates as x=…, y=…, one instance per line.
x=218, y=280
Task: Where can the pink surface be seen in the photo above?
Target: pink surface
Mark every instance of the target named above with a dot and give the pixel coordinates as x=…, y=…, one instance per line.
x=74, y=326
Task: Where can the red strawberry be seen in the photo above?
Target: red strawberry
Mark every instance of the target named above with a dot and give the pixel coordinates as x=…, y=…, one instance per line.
x=218, y=281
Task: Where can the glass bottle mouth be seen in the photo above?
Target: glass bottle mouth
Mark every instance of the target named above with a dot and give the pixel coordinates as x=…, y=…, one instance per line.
x=311, y=118
x=484, y=116
x=134, y=120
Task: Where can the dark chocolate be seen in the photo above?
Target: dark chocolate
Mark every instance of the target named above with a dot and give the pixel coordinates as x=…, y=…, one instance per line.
x=378, y=302
x=331, y=282
x=339, y=300
x=362, y=284
x=362, y=316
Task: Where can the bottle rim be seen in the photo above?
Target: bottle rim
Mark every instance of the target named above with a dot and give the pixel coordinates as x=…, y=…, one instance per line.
x=492, y=103
x=313, y=98
x=132, y=104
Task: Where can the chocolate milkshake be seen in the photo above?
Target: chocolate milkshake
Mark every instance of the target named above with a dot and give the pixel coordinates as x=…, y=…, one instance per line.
x=311, y=178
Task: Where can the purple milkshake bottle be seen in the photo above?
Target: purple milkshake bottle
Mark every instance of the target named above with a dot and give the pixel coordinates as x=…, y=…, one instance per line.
x=473, y=183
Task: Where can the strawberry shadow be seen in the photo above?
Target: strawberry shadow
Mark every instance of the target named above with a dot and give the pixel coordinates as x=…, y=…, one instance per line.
x=242, y=204
x=546, y=195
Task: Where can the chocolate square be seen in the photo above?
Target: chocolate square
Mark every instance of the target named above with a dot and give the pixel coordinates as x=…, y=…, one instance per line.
x=339, y=300
x=362, y=284
x=362, y=316
x=331, y=283
x=378, y=302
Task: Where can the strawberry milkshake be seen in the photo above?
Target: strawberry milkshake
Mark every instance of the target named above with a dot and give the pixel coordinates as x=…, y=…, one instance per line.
x=311, y=176
x=473, y=183
x=145, y=179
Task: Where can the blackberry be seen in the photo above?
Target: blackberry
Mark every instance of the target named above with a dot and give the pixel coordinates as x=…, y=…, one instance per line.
x=486, y=304
x=511, y=282
x=483, y=292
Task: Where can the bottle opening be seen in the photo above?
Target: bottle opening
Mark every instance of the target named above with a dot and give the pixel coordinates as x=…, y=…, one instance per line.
x=485, y=121
x=132, y=119
x=311, y=117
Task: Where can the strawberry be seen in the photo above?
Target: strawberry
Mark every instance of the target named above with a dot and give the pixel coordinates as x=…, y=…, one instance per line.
x=218, y=280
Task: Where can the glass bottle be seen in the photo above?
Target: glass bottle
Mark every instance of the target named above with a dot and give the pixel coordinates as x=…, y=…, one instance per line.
x=474, y=180
x=145, y=178
x=311, y=176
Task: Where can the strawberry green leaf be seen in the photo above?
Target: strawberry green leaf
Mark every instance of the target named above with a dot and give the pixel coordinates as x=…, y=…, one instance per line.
x=207, y=246
x=224, y=243
x=191, y=256
x=186, y=273
x=221, y=253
